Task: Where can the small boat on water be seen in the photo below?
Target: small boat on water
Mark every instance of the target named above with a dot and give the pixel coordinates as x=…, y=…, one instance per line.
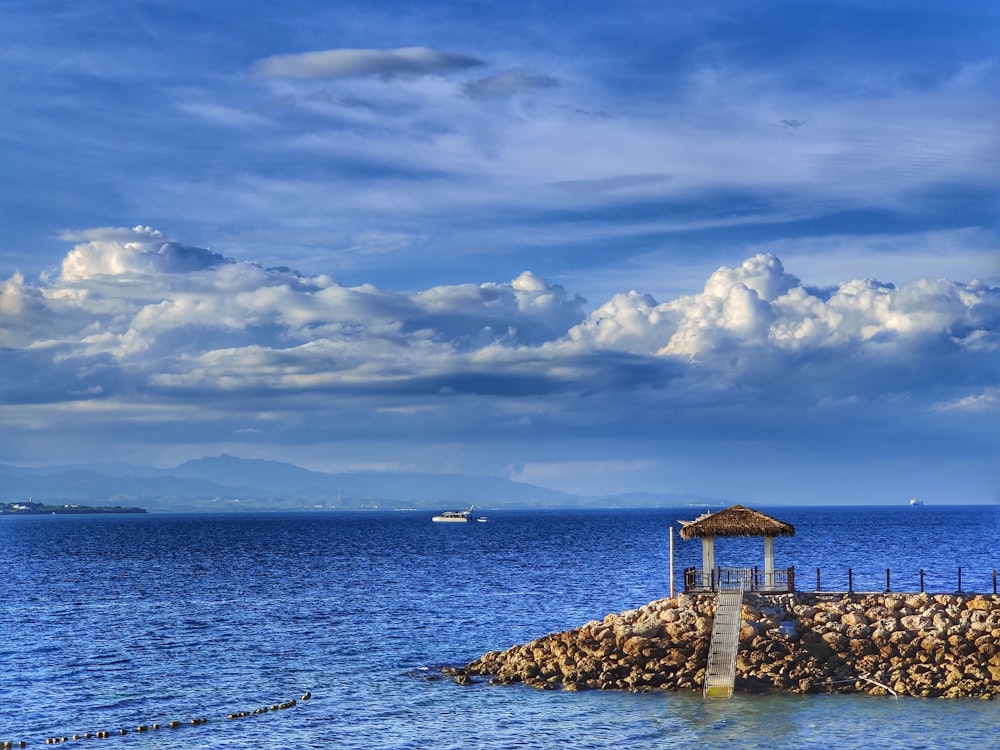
x=453, y=516
x=916, y=501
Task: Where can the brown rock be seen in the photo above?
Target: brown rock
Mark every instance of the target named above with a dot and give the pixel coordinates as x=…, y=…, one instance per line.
x=932, y=644
x=854, y=618
x=634, y=645
x=983, y=604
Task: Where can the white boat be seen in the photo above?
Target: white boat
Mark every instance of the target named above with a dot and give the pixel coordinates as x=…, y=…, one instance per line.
x=453, y=516
x=916, y=501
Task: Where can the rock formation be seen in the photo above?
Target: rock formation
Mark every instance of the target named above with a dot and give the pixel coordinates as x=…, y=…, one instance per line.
x=910, y=644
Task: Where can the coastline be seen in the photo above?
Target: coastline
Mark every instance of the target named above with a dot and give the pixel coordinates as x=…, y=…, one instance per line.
x=44, y=509
x=926, y=645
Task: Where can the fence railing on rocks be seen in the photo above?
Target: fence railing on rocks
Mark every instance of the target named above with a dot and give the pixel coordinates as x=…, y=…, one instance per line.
x=958, y=581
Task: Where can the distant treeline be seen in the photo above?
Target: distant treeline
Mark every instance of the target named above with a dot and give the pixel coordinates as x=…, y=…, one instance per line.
x=31, y=508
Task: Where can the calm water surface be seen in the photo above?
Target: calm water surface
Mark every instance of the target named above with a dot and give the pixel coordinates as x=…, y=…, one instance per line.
x=117, y=621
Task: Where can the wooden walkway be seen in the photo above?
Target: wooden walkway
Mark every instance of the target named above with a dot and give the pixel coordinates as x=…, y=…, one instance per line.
x=720, y=675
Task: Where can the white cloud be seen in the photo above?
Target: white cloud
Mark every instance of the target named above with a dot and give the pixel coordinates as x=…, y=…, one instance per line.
x=987, y=401
x=631, y=322
x=135, y=312
x=186, y=316
x=754, y=322
x=347, y=63
x=139, y=251
x=22, y=312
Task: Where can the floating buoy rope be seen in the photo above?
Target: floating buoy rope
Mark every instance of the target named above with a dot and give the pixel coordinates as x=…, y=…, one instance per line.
x=175, y=724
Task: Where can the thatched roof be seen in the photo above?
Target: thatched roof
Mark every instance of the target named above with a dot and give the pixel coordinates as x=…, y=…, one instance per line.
x=735, y=521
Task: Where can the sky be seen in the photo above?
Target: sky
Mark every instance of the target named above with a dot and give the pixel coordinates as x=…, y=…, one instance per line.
x=741, y=250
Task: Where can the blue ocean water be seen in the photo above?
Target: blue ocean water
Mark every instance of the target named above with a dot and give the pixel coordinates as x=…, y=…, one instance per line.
x=110, y=622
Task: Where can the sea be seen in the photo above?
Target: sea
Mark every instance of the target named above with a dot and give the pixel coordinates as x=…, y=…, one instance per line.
x=217, y=623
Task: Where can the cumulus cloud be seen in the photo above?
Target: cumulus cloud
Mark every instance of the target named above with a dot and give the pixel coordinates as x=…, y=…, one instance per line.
x=189, y=319
x=137, y=251
x=757, y=304
x=508, y=83
x=756, y=325
x=134, y=312
x=351, y=63
x=525, y=311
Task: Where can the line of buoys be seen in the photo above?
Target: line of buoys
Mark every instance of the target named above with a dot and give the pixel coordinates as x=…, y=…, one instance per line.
x=265, y=709
x=175, y=724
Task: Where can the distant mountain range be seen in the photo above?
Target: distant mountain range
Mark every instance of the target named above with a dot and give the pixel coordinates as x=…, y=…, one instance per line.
x=230, y=483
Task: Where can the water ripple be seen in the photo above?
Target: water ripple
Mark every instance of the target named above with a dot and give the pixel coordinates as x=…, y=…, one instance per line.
x=111, y=622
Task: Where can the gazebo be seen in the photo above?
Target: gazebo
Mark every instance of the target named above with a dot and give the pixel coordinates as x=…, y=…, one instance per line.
x=736, y=521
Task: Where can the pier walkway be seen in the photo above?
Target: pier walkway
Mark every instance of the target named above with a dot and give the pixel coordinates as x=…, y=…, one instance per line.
x=720, y=674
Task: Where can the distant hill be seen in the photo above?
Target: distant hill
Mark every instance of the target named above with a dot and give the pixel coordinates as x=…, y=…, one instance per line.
x=230, y=483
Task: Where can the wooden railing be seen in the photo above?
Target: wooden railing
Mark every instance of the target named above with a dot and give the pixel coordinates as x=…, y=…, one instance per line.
x=849, y=581
x=752, y=579
x=941, y=581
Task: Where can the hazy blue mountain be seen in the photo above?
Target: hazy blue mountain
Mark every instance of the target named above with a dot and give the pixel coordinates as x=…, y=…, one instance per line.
x=272, y=476
x=230, y=483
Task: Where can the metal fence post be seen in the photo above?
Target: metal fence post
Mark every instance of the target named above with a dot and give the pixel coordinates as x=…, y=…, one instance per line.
x=921, y=580
x=960, y=580
x=888, y=588
x=850, y=581
x=818, y=587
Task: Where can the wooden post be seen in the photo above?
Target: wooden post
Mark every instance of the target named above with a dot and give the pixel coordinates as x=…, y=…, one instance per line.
x=671, y=562
x=850, y=581
x=960, y=580
x=818, y=588
x=921, y=580
x=994, y=581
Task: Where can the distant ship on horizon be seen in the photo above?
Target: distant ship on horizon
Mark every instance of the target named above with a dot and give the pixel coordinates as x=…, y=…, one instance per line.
x=914, y=501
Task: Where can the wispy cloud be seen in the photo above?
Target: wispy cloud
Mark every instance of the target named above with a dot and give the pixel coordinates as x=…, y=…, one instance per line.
x=508, y=83
x=349, y=63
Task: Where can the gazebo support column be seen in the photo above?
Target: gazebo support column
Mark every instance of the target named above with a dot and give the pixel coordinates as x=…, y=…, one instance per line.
x=769, y=562
x=707, y=560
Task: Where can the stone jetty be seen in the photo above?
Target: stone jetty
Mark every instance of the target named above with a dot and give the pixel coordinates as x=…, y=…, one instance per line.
x=944, y=645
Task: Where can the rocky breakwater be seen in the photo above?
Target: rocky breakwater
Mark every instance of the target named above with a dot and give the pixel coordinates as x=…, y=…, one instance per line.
x=909, y=644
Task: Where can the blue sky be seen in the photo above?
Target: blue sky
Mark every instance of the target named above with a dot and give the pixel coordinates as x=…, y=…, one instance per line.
x=748, y=250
